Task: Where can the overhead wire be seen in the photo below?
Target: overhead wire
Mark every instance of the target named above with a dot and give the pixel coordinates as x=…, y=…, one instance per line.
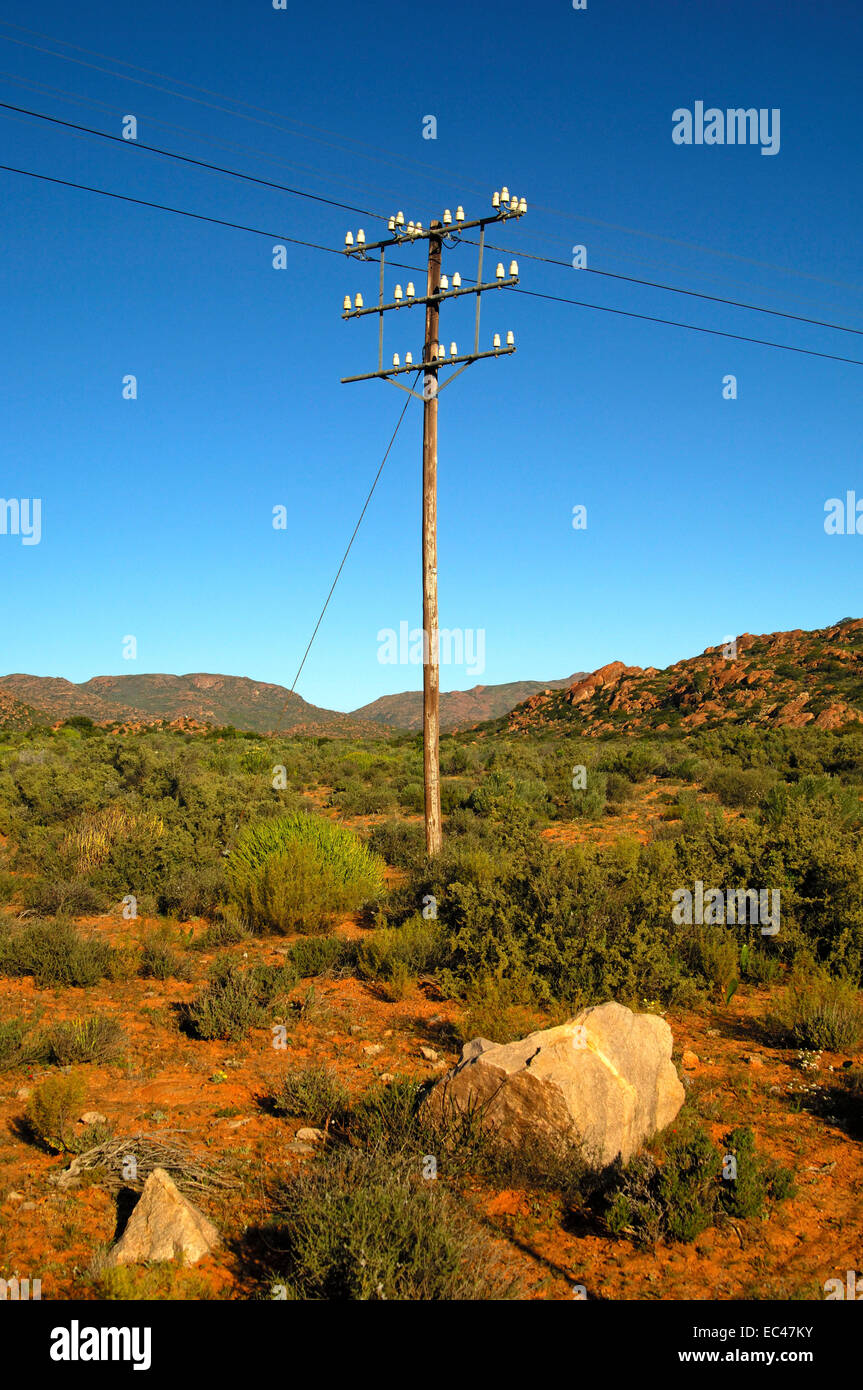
x=316, y=246
x=366, y=212
x=387, y=157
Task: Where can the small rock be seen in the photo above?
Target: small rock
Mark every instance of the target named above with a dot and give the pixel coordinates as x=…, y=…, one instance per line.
x=24, y=1092
x=92, y=1117
x=387, y=1033
x=689, y=1060
x=430, y=1054
x=14, y=1196
x=372, y=1049
x=28, y=1206
x=164, y=1226
x=385, y=1078
x=298, y=1146
x=307, y=1135
x=754, y=1060
x=439, y=1066
x=713, y=1032
x=355, y=1028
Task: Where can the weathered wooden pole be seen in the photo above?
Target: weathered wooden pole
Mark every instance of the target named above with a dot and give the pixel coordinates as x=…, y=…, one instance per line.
x=431, y=653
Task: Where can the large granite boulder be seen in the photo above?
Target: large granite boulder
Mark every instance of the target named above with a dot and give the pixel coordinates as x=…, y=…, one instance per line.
x=604, y=1081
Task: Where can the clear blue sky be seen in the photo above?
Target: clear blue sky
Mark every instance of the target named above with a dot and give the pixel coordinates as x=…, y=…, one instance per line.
x=705, y=515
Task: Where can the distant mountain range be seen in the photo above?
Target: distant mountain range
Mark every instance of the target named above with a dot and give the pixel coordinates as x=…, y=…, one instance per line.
x=199, y=700
x=780, y=679
x=459, y=709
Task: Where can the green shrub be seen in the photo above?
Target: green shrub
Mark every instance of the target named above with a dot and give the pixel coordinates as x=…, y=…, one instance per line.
x=399, y=842
x=386, y=1117
x=93, y=1039
x=759, y=966
x=227, y=930
x=741, y=787
x=318, y=955
x=312, y=1093
x=236, y=1000
x=818, y=1012
x=415, y=945
x=56, y=954
x=674, y=1198
x=159, y=958
x=497, y=1012
x=713, y=953
x=189, y=893
x=617, y=788
x=15, y=1048
x=73, y=896
x=358, y=1226
x=294, y=873
x=53, y=1109
x=759, y=1181
x=678, y=1192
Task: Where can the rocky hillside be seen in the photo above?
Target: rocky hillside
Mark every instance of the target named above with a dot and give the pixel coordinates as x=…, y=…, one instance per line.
x=199, y=699
x=459, y=709
x=15, y=714
x=782, y=678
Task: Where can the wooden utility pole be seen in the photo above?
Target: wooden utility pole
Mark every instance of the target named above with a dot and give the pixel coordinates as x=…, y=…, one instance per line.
x=434, y=357
x=431, y=667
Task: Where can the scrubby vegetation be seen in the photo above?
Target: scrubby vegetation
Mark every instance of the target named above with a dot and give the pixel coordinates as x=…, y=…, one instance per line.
x=688, y=1184
x=237, y=999
x=181, y=866
x=366, y=1226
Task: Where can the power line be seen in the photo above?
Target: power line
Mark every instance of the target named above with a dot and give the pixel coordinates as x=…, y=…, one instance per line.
x=189, y=159
x=315, y=246
x=693, y=327
x=386, y=157
x=344, y=141
x=164, y=207
x=366, y=212
x=74, y=99
x=675, y=289
x=346, y=554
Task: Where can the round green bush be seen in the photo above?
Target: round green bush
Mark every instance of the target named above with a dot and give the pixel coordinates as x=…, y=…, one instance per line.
x=296, y=872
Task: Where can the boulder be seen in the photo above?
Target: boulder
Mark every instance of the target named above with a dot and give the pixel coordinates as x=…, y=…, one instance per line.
x=604, y=1081
x=163, y=1226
